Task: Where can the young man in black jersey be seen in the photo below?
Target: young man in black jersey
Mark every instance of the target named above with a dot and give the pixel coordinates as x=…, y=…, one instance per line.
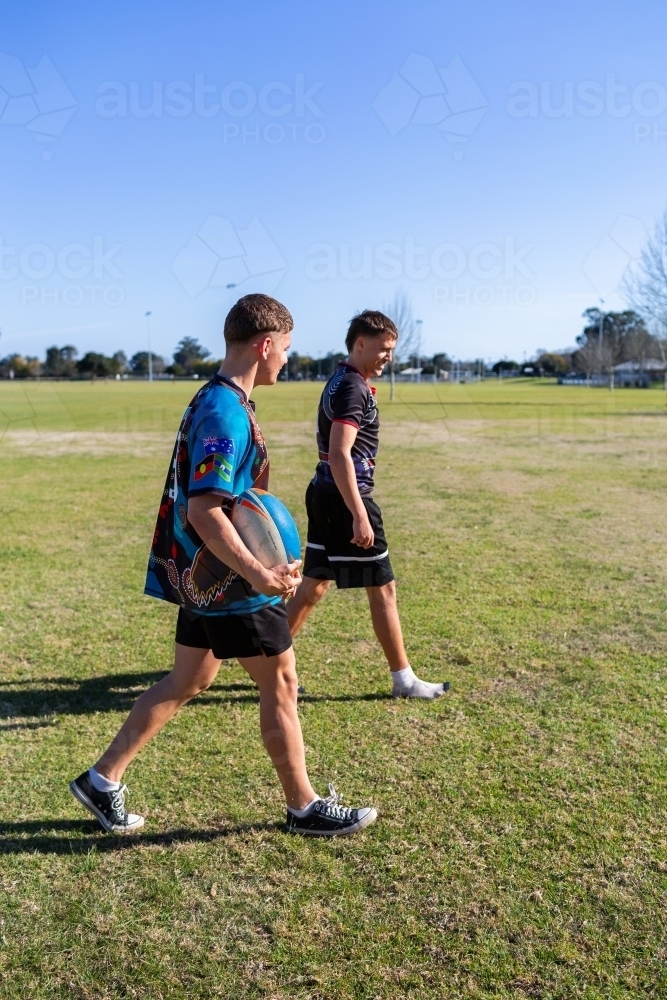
x=346, y=539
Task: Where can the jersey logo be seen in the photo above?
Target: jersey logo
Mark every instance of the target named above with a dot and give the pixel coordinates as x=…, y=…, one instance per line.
x=336, y=381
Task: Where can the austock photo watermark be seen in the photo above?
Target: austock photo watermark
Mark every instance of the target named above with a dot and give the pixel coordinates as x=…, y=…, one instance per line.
x=71, y=275
x=486, y=274
x=446, y=98
x=36, y=99
x=608, y=263
x=593, y=99
x=218, y=255
x=276, y=112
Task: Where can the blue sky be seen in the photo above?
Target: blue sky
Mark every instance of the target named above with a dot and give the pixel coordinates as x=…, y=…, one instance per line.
x=500, y=164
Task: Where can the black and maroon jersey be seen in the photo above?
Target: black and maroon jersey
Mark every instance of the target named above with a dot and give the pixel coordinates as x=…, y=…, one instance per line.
x=348, y=399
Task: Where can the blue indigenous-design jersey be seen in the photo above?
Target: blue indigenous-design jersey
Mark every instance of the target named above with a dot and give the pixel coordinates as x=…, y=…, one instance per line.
x=219, y=449
x=348, y=398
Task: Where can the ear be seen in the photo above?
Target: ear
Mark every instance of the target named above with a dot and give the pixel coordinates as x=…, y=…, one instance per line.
x=264, y=347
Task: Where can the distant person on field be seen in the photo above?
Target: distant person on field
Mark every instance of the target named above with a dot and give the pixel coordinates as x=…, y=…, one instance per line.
x=346, y=540
x=229, y=604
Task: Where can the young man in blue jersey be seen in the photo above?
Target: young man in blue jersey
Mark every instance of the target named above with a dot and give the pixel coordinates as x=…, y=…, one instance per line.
x=346, y=539
x=229, y=604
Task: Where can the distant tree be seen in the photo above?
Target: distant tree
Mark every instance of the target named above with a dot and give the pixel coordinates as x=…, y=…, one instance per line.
x=300, y=366
x=189, y=351
x=646, y=285
x=641, y=346
x=330, y=362
x=552, y=363
x=442, y=362
x=176, y=369
x=205, y=369
x=139, y=363
x=505, y=366
x=16, y=366
x=119, y=363
x=624, y=338
x=60, y=361
x=96, y=365
x=400, y=310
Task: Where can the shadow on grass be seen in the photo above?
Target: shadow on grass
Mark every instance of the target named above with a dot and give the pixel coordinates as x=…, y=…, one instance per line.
x=117, y=693
x=40, y=837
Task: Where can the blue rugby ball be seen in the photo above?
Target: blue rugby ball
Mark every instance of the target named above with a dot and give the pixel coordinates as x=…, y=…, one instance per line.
x=266, y=527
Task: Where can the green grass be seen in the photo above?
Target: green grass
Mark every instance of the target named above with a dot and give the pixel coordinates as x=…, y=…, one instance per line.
x=521, y=845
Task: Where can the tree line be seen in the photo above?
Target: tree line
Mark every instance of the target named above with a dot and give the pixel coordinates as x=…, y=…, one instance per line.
x=190, y=358
x=637, y=335
x=607, y=339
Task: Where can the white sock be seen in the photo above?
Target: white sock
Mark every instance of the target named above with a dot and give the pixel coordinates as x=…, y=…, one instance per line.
x=300, y=813
x=406, y=684
x=405, y=677
x=102, y=784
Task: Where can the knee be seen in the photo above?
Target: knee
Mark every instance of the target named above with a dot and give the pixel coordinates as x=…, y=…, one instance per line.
x=383, y=595
x=286, y=682
x=187, y=689
x=316, y=591
x=198, y=687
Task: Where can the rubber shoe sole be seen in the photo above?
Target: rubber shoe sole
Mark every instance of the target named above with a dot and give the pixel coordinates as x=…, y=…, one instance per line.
x=344, y=832
x=99, y=816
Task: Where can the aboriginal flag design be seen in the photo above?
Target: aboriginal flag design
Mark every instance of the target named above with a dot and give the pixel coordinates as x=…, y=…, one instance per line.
x=220, y=464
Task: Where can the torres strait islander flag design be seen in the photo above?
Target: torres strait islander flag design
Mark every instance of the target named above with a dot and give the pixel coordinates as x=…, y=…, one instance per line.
x=218, y=458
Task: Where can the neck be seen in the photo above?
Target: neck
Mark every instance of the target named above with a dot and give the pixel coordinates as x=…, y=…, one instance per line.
x=239, y=369
x=355, y=364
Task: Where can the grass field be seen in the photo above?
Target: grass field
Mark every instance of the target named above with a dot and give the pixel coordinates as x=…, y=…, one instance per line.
x=521, y=845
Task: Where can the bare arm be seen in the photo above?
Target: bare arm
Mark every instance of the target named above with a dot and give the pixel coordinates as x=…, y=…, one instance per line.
x=220, y=536
x=341, y=439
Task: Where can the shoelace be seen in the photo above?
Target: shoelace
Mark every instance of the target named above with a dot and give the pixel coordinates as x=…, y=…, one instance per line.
x=118, y=803
x=331, y=806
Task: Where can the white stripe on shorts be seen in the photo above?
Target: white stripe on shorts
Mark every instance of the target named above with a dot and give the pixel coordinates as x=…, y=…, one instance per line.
x=382, y=555
x=312, y=545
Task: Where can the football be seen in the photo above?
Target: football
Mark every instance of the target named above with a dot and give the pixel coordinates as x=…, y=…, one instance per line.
x=266, y=527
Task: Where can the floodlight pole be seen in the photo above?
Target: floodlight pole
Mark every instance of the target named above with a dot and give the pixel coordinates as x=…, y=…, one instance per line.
x=418, y=324
x=148, y=338
x=601, y=335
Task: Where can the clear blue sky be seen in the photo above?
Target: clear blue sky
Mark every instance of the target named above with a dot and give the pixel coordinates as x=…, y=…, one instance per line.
x=366, y=169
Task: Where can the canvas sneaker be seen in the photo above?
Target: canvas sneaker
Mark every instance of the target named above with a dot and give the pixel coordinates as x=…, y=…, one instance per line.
x=107, y=807
x=328, y=818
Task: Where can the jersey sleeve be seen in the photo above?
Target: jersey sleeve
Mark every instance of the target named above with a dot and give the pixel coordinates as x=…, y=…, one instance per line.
x=348, y=403
x=219, y=441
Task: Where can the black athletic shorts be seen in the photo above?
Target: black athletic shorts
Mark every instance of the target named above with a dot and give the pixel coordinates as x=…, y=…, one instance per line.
x=330, y=555
x=236, y=636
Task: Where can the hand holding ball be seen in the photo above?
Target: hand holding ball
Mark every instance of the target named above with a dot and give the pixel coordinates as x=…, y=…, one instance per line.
x=266, y=528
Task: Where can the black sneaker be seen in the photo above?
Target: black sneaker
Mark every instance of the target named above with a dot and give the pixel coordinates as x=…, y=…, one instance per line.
x=328, y=818
x=107, y=807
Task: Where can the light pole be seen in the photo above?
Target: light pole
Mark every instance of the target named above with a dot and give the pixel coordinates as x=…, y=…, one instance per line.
x=148, y=338
x=601, y=335
x=418, y=324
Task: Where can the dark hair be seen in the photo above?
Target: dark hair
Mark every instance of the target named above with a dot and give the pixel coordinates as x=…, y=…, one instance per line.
x=255, y=314
x=369, y=323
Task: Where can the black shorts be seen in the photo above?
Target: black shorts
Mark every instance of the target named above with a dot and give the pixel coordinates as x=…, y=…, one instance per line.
x=330, y=555
x=236, y=636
